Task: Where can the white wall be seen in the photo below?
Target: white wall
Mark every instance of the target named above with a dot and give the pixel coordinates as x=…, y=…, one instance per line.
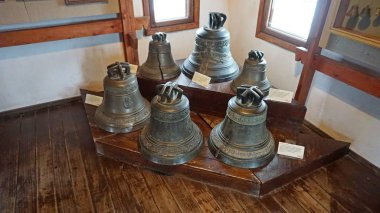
x=338, y=109
x=38, y=73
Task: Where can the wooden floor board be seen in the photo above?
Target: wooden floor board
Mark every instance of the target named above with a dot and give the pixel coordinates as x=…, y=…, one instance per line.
x=182, y=196
x=271, y=205
x=287, y=201
x=161, y=194
x=225, y=199
x=320, y=195
x=339, y=189
x=139, y=188
x=250, y=203
x=120, y=191
x=26, y=198
x=362, y=181
x=62, y=174
x=203, y=196
x=305, y=199
x=46, y=196
x=9, y=148
x=99, y=190
x=77, y=169
x=49, y=164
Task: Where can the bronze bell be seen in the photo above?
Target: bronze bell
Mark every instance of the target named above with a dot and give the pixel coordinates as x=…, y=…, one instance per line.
x=171, y=137
x=160, y=64
x=254, y=69
x=242, y=138
x=212, y=55
x=123, y=108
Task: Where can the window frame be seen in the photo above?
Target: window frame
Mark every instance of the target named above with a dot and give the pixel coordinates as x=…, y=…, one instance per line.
x=192, y=22
x=277, y=37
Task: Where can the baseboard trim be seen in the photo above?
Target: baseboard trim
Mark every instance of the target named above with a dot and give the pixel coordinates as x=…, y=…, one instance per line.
x=16, y=112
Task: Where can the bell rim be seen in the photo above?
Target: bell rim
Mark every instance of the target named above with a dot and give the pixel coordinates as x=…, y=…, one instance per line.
x=128, y=127
x=214, y=79
x=179, y=159
x=252, y=163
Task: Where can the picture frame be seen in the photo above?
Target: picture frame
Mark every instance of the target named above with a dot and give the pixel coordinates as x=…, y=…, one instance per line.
x=358, y=20
x=76, y=2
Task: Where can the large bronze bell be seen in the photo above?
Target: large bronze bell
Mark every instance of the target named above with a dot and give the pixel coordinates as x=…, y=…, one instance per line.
x=123, y=108
x=253, y=73
x=160, y=64
x=212, y=55
x=171, y=137
x=242, y=138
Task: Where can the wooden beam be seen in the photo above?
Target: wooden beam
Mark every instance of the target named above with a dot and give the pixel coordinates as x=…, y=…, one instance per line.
x=349, y=73
x=307, y=74
x=44, y=34
x=129, y=31
x=300, y=54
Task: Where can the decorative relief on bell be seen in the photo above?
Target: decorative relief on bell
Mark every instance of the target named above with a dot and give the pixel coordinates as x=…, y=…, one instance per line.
x=242, y=139
x=211, y=55
x=160, y=64
x=253, y=73
x=123, y=108
x=171, y=137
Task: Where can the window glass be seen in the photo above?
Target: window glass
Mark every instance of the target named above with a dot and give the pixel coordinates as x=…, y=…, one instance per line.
x=292, y=16
x=167, y=10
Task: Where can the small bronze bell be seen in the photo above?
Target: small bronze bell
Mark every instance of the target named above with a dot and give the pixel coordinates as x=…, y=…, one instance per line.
x=160, y=64
x=253, y=73
x=171, y=137
x=123, y=108
x=212, y=55
x=242, y=138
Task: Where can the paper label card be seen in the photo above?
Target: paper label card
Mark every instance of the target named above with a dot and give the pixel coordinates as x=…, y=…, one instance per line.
x=280, y=95
x=201, y=79
x=290, y=150
x=93, y=100
x=133, y=68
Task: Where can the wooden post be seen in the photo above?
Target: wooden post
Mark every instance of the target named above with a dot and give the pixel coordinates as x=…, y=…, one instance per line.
x=308, y=71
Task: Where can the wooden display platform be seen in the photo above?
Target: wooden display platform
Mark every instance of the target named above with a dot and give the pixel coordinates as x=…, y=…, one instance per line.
x=284, y=124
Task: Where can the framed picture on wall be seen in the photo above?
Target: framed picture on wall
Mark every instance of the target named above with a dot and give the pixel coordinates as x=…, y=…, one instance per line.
x=73, y=2
x=358, y=20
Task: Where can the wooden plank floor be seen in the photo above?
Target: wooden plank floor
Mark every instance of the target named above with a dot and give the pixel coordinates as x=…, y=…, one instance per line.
x=48, y=163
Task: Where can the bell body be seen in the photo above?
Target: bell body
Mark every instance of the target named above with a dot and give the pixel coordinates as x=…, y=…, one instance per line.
x=211, y=55
x=171, y=137
x=160, y=64
x=242, y=139
x=253, y=73
x=123, y=108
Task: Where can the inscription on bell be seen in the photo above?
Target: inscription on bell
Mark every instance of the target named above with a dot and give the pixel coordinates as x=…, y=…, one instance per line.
x=211, y=55
x=170, y=137
x=242, y=139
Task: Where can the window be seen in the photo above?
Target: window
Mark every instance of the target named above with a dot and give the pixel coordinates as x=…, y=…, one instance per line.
x=286, y=23
x=171, y=15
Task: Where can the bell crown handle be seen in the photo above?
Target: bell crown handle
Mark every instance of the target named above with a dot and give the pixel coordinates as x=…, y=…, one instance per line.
x=249, y=95
x=169, y=92
x=256, y=55
x=216, y=20
x=118, y=70
x=159, y=37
